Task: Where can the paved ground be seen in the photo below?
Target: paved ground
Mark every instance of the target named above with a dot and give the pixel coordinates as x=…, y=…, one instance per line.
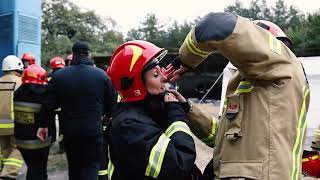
x=57, y=165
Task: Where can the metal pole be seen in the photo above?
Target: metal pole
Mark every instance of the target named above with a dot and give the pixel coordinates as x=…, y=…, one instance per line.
x=204, y=96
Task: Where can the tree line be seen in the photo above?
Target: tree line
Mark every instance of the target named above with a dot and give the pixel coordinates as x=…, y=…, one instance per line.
x=64, y=23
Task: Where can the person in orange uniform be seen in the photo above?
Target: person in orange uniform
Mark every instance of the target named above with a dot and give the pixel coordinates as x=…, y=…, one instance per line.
x=262, y=130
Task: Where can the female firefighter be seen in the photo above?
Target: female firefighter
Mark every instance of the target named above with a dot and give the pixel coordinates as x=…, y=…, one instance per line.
x=27, y=104
x=149, y=137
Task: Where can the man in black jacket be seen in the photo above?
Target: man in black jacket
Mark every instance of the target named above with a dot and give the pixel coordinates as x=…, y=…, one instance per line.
x=85, y=94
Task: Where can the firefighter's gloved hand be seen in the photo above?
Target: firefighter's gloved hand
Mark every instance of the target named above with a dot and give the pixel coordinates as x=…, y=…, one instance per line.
x=175, y=69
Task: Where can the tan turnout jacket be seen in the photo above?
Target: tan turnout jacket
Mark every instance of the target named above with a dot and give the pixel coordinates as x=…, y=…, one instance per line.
x=9, y=82
x=262, y=129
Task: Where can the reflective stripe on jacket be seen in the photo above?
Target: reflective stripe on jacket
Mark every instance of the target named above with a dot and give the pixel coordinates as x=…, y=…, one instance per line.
x=8, y=84
x=142, y=149
x=27, y=105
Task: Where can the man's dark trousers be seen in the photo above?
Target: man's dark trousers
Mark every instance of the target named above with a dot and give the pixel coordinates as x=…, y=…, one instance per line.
x=83, y=154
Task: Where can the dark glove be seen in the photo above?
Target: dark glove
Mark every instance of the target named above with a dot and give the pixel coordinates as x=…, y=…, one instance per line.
x=176, y=62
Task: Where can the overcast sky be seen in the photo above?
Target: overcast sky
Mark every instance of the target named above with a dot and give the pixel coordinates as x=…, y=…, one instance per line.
x=130, y=13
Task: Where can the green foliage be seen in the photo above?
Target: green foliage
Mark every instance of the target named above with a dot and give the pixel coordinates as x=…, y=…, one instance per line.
x=150, y=30
x=170, y=36
x=280, y=14
x=306, y=37
x=64, y=23
x=303, y=31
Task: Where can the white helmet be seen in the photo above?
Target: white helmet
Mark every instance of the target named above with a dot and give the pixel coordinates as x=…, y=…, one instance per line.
x=11, y=63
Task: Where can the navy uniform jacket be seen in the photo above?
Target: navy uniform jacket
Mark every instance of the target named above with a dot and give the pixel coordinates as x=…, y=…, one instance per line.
x=143, y=148
x=84, y=93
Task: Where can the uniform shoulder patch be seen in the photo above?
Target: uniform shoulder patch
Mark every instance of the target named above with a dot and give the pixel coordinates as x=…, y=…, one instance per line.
x=215, y=26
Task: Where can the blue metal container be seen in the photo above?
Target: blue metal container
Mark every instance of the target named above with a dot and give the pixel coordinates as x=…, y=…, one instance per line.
x=20, y=28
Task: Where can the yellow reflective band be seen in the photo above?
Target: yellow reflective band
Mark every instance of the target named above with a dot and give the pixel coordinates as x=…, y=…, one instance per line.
x=297, y=149
x=26, y=109
x=11, y=108
x=177, y=126
x=137, y=51
x=13, y=160
x=6, y=126
x=310, y=158
x=12, y=164
x=209, y=141
x=156, y=156
x=103, y=172
x=194, y=50
x=214, y=126
x=110, y=166
x=274, y=44
x=158, y=150
x=244, y=87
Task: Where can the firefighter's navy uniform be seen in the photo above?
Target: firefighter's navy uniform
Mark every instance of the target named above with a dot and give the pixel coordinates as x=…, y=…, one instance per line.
x=27, y=105
x=142, y=148
x=84, y=93
x=11, y=159
x=262, y=129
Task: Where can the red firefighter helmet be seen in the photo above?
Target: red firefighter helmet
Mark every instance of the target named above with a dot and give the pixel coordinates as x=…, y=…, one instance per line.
x=28, y=59
x=274, y=29
x=34, y=74
x=311, y=163
x=126, y=66
x=57, y=62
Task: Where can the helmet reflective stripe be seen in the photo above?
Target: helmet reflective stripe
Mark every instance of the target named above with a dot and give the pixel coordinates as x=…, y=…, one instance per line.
x=12, y=62
x=137, y=51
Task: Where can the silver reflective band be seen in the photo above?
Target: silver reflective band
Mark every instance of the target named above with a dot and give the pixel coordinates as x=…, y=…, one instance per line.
x=33, y=144
x=6, y=121
x=27, y=104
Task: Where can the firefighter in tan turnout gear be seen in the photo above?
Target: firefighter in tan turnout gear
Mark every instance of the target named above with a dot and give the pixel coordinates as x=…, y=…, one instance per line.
x=262, y=130
x=11, y=159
